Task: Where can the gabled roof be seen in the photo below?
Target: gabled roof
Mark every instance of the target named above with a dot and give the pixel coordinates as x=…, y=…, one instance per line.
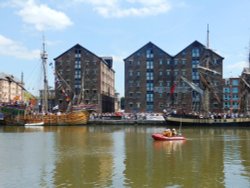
x=4, y=76
x=11, y=78
x=215, y=53
x=149, y=44
x=197, y=43
x=76, y=46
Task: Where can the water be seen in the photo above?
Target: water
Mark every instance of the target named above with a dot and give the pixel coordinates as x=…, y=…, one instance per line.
x=123, y=156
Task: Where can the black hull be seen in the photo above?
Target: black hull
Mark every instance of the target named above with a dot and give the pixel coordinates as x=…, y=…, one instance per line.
x=177, y=121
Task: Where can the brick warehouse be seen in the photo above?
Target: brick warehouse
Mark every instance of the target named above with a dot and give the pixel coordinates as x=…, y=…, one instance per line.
x=83, y=76
x=153, y=79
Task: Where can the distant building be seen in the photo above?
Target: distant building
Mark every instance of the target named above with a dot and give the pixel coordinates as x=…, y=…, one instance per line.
x=153, y=79
x=51, y=100
x=145, y=69
x=231, y=99
x=11, y=89
x=117, y=102
x=82, y=76
x=245, y=91
x=203, y=67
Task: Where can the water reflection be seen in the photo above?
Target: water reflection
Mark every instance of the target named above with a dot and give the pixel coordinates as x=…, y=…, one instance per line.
x=169, y=146
x=123, y=156
x=234, y=160
x=26, y=159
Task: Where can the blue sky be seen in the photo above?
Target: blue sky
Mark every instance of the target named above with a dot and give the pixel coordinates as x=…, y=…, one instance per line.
x=118, y=28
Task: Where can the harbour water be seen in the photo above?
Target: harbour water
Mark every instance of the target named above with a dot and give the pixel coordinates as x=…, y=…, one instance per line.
x=123, y=156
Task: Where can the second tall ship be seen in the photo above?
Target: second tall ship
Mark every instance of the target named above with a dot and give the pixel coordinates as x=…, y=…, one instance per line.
x=15, y=114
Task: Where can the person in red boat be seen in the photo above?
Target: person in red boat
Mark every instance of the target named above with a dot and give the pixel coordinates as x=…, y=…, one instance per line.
x=174, y=132
x=167, y=133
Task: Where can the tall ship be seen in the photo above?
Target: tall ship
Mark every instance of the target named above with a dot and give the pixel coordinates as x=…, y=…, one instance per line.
x=205, y=90
x=21, y=114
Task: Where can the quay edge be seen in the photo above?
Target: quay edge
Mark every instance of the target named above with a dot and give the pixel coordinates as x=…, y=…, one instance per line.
x=125, y=122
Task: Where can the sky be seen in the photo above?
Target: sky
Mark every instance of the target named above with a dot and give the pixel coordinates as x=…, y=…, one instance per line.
x=118, y=28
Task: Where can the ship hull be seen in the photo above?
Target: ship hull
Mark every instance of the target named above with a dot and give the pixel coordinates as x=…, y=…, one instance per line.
x=71, y=118
x=171, y=120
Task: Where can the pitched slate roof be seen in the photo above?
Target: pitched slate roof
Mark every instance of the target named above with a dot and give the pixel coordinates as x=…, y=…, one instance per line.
x=4, y=76
x=76, y=46
x=148, y=44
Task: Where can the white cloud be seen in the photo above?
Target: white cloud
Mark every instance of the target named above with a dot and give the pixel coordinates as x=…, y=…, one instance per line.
x=8, y=47
x=40, y=16
x=234, y=69
x=125, y=8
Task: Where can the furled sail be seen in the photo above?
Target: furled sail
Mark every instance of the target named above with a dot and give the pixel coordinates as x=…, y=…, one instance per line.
x=192, y=85
x=208, y=70
x=245, y=82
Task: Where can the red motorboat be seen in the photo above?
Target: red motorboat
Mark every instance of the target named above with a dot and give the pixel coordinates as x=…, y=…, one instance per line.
x=161, y=137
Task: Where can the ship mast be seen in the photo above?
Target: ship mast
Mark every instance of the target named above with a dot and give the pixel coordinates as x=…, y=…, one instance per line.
x=206, y=91
x=249, y=56
x=207, y=36
x=247, y=101
x=81, y=94
x=44, y=57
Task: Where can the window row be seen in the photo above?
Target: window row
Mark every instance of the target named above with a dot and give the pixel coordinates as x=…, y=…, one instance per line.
x=151, y=63
x=163, y=86
x=228, y=97
x=228, y=105
x=234, y=82
x=175, y=72
x=231, y=90
x=149, y=107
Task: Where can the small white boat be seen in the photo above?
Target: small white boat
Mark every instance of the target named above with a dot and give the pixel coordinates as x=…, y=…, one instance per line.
x=155, y=118
x=34, y=125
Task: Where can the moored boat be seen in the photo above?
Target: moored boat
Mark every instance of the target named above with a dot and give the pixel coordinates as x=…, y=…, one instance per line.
x=79, y=117
x=161, y=137
x=38, y=125
x=25, y=114
x=197, y=121
x=34, y=124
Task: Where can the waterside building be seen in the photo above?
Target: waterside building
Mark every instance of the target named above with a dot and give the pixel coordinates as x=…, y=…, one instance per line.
x=244, y=90
x=11, y=88
x=84, y=78
x=189, y=81
x=231, y=99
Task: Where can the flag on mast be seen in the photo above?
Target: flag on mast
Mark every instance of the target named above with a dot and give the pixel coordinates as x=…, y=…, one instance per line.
x=172, y=89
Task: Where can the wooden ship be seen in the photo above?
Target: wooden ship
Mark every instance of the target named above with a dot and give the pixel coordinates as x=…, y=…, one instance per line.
x=20, y=115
